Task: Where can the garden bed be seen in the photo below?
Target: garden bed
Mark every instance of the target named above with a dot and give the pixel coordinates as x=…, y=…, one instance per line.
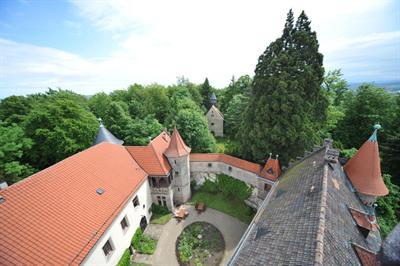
x=200, y=243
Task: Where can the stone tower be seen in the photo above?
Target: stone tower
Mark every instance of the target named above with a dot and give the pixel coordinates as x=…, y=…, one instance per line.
x=178, y=157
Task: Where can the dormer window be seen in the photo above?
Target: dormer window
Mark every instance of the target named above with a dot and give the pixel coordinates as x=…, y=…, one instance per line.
x=366, y=257
x=363, y=223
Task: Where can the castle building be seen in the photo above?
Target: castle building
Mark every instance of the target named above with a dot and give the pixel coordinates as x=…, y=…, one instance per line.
x=215, y=118
x=86, y=208
x=318, y=214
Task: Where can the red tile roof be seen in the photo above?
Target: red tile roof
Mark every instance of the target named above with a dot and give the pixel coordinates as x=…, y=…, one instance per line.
x=177, y=147
x=366, y=257
x=151, y=157
x=364, y=169
x=271, y=170
x=55, y=216
x=233, y=161
x=363, y=220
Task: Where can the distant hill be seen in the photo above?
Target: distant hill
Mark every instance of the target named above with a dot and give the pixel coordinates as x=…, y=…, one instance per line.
x=391, y=86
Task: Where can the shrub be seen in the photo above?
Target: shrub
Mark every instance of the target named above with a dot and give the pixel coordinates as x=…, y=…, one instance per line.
x=125, y=259
x=143, y=244
x=159, y=209
x=209, y=186
x=233, y=188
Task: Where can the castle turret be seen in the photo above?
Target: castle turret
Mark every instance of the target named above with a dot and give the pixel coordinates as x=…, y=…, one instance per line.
x=364, y=171
x=213, y=99
x=103, y=135
x=178, y=157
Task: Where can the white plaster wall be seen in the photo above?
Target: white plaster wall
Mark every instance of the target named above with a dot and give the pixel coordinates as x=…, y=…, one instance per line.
x=121, y=240
x=223, y=168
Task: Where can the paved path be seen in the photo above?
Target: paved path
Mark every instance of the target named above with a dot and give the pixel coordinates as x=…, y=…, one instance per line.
x=231, y=228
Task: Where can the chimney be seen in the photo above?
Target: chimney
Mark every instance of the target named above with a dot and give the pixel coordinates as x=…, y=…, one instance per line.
x=331, y=155
x=3, y=185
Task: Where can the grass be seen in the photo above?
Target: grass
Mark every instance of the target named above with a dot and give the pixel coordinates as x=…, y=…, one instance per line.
x=232, y=207
x=157, y=218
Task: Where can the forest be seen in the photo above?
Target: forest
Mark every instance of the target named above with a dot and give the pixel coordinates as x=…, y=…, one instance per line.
x=289, y=105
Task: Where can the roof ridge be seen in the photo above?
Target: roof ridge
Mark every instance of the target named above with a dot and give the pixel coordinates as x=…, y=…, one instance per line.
x=319, y=250
x=158, y=159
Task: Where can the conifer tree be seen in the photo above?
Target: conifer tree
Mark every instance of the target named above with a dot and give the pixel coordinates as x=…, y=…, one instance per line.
x=286, y=105
x=205, y=91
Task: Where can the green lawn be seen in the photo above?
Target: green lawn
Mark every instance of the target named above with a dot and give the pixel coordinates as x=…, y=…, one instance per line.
x=231, y=207
x=157, y=218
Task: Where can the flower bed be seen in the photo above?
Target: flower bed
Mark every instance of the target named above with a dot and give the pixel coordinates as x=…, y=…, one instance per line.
x=200, y=243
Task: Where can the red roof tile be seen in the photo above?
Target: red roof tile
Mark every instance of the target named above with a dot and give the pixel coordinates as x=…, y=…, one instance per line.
x=177, y=147
x=151, y=157
x=364, y=170
x=271, y=170
x=233, y=161
x=55, y=216
x=366, y=257
x=363, y=220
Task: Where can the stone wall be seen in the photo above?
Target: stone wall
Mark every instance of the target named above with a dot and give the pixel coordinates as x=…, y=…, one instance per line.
x=181, y=179
x=215, y=123
x=202, y=170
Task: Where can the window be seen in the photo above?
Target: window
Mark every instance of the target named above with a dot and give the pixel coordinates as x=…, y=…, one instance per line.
x=176, y=173
x=209, y=164
x=153, y=181
x=124, y=224
x=144, y=206
x=230, y=168
x=267, y=187
x=212, y=124
x=164, y=200
x=108, y=248
x=179, y=189
x=135, y=201
x=159, y=200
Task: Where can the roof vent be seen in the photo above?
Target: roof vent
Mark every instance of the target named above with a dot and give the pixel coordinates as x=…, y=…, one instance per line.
x=100, y=191
x=2, y=199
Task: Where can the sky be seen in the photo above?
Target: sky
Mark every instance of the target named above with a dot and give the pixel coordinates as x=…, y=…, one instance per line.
x=90, y=46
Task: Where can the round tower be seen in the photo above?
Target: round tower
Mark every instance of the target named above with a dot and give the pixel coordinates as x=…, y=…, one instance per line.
x=178, y=157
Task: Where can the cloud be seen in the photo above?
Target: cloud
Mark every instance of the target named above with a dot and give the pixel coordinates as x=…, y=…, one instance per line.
x=160, y=40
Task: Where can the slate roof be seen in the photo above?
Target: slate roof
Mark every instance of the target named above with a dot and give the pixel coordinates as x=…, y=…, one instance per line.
x=103, y=135
x=55, y=216
x=305, y=219
x=151, y=157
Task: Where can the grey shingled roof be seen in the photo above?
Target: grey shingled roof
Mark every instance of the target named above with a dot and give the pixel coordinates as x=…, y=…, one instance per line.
x=107, y=136
x=305, y=220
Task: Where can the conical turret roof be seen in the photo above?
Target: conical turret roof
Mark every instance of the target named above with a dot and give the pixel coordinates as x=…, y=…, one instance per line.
x=177, y=146
x=272, y=169
x=106, y=136
x=364, y=168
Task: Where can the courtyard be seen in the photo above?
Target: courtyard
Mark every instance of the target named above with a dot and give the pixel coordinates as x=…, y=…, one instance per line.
x=231, y=229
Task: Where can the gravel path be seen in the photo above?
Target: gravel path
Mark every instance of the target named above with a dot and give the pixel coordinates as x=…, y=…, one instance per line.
x=231, y=228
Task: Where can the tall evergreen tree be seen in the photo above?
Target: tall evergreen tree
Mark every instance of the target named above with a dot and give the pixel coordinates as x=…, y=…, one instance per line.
x=286, y=105
x=205, y=91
